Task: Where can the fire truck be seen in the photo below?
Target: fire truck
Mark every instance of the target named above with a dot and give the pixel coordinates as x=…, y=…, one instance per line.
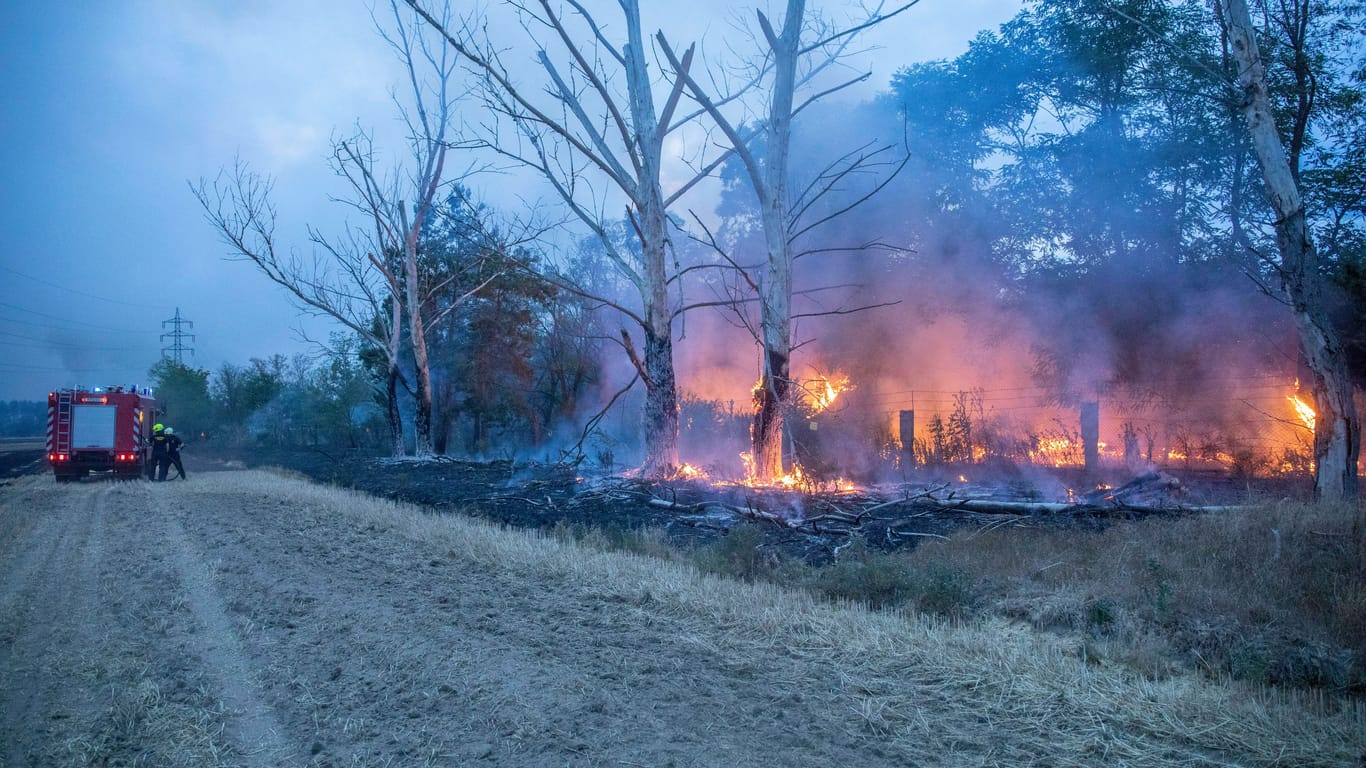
x=99, y=430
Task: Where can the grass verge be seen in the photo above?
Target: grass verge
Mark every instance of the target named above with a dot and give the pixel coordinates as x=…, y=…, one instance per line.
x=1273, y=595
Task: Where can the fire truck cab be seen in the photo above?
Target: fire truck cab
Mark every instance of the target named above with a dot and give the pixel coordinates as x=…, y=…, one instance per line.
x=99, y=430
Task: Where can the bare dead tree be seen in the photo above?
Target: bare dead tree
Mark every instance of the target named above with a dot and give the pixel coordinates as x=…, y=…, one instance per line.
x=400, y=223
x=790, y=68
x=344, y=280
x=1337, y=429
x=340, y=282
x=578, y=128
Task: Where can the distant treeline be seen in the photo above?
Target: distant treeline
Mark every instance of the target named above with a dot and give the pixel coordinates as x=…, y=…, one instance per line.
x=273, y=401
x=508, y=394
x=22, y=418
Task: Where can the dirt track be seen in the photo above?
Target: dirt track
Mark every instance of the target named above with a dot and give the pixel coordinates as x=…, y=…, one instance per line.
x=168, y=624
x=245, y=619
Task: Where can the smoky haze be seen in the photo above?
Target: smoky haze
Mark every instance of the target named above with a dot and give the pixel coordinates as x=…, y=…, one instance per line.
x=1187, y=357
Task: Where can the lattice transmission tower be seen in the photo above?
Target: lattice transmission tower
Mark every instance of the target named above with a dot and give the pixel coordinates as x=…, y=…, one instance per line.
x=177, y=335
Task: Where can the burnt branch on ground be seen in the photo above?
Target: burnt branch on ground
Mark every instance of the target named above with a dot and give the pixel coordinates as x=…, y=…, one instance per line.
x=810, y=525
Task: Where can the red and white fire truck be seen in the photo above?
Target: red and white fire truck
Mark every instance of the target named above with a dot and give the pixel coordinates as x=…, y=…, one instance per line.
x=99, y=430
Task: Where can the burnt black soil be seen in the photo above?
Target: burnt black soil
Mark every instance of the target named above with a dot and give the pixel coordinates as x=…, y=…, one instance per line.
x=542, y=497
x=888, y=516
x=14, y=463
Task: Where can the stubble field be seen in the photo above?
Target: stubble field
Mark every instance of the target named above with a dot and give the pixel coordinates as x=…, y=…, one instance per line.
x=249, y=618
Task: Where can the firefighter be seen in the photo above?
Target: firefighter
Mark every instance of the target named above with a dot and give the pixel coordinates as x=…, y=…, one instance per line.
x=157, y=463
x=173, y=443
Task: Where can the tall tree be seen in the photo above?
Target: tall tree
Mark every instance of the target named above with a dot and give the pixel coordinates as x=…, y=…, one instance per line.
x=368, y=282
x=583, y=123
x=1093, y=139
x=402, y=207
x=349, y=280
x=1337, y=427
x=478, y=322
x=762, y=142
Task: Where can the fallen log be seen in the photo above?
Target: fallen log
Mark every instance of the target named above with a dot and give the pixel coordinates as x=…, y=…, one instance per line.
x=1027, y=508
x=753, y=513
x=910, y=534
x=1003, y=507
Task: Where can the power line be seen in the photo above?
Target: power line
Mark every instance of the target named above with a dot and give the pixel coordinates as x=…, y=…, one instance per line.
x=78, y=293
x=5, y=367
x=48, y=342
x=83, y=347
x=67, y=321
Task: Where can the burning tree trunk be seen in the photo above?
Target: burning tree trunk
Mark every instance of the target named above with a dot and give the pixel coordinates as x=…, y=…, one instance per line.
x=769, y=177
x=773, y=396
x=1337, y=429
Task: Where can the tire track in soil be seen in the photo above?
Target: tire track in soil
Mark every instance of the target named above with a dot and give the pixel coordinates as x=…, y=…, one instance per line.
x=389, y=652
x=251, y=724
x=48, y=611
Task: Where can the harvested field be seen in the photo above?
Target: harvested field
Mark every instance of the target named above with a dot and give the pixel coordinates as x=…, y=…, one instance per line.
x=245, y=618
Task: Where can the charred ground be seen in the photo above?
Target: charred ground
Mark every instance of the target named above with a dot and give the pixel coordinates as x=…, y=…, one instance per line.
x=809, y=524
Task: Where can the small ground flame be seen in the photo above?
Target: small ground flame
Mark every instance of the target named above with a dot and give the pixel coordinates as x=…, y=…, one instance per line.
x=796, y=479
x=688, y=472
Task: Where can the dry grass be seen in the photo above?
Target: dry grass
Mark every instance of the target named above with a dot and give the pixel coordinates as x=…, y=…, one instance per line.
x=1274, y=594
x=931, y=685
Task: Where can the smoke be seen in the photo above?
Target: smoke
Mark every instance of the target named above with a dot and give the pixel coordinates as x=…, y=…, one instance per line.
x=1180, y=353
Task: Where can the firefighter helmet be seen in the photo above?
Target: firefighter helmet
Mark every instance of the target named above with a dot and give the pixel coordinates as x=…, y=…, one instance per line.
x=157, y=427
x=170, y=431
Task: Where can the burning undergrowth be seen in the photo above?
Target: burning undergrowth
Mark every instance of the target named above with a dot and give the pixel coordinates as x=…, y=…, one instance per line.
x=938, y=355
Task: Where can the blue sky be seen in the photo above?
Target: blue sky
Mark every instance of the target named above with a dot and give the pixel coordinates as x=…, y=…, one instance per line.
x=111, y=109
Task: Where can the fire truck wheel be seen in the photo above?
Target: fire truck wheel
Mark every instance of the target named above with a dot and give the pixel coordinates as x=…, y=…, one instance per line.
x=65, y=478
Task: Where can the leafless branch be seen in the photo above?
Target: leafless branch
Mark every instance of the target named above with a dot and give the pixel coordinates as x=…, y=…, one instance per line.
x=848, y=311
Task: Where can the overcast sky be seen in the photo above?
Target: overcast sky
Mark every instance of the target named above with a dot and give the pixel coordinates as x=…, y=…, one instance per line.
x=110, y=110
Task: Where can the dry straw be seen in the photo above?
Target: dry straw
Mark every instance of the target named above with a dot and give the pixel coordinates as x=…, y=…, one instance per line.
x=926, y=685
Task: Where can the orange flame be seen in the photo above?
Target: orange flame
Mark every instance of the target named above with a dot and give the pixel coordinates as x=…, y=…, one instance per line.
x=1054, y=451
x=795, y=480
x=1303, y=410
x=823, y=390
x=688, y=472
